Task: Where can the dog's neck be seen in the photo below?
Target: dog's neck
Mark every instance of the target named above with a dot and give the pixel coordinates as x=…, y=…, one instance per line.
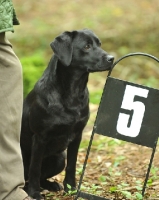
x=71, y=79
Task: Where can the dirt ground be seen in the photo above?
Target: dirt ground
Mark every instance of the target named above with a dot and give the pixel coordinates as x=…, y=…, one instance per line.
x=115, y=169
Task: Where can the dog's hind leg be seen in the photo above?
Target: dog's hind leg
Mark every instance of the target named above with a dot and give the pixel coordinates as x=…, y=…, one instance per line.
x=52, y=166
x=26, y=163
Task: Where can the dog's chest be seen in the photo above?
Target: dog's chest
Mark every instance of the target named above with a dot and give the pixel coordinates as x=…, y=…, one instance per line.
x=59, y=143
x=68, y=114
x=63, y=122
x=65, y=127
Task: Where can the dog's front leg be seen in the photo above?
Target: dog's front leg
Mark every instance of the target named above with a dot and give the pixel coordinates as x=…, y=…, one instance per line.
x=35, y=167
x=72, y=152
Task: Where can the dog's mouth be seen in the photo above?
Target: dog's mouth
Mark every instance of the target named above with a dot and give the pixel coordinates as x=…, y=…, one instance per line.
x=105, y=64
x=100, y=68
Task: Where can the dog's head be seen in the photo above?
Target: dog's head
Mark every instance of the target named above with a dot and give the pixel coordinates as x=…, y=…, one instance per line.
x=82, y=49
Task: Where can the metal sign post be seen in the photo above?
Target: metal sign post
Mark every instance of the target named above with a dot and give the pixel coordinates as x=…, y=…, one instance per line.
x=128, y=112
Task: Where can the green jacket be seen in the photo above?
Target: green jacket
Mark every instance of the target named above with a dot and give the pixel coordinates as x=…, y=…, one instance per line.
x=7, y=16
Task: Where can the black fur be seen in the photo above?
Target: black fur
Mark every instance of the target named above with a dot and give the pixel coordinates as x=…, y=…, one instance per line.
x=57, y=109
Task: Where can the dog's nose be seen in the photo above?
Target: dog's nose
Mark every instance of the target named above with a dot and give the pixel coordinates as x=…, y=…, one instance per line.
x=110, y=58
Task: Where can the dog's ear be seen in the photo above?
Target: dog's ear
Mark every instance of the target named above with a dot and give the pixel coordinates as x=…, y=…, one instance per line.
x=62, y=47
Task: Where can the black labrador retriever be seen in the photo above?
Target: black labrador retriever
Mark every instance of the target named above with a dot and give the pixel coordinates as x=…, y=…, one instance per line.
x=56, y=111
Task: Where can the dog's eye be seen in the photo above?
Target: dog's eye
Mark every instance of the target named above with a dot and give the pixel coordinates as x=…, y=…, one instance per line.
x=87, y=47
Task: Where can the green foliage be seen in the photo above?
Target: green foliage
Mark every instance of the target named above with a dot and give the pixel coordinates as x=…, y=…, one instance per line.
x=96, y=96
x=154, y=175
x=123, y=189
x=49, y=195
x=70, y=191
x=91, y=188
x=102, y=178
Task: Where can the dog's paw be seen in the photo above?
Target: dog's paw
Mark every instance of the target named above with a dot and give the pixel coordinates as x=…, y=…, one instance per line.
x=54, y=186
x=51, y=186
x=37, y=196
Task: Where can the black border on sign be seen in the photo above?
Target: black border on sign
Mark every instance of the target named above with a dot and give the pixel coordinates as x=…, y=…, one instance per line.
x=107, y=111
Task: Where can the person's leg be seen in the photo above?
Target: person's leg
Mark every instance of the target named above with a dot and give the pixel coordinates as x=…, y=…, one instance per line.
x=11, y=97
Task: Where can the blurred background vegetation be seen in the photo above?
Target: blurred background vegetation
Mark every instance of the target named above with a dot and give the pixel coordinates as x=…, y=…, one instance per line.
x=123, y=27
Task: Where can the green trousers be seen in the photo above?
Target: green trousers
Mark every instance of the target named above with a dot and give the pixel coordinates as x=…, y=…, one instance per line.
x=11, y=97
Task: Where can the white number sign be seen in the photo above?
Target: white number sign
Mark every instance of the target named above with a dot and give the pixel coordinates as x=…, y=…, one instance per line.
x=138, y=109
